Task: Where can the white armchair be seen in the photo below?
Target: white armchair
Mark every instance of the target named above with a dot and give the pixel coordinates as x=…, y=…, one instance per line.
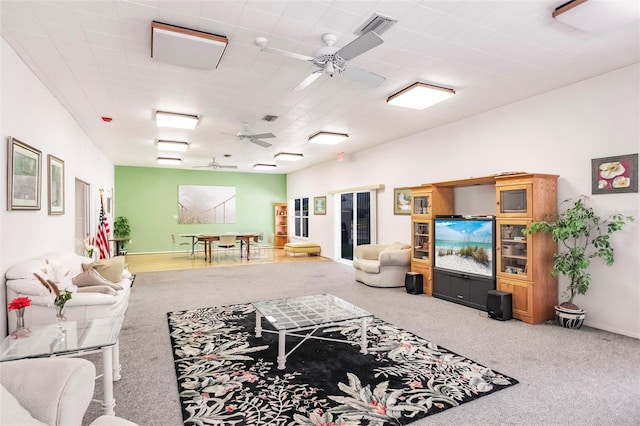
x=49, y=391
x=382, y=265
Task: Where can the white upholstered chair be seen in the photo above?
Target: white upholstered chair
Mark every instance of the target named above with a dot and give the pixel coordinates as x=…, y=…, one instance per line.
x=49, y=391
x=382, y=265
x=226, y=244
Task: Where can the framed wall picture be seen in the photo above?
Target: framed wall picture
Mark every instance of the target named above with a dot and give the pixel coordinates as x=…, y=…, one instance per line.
x=23, y=176
x=55, y=174
x=319, y=205
x=402, y=201
x=613, y=175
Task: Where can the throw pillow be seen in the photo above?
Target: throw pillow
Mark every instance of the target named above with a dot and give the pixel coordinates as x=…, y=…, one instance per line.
x=110, y=268
x=91, y=277
x=396, y=246
x=104, y=289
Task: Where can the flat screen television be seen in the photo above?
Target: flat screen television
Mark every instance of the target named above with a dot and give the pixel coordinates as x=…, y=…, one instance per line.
x=465, y=245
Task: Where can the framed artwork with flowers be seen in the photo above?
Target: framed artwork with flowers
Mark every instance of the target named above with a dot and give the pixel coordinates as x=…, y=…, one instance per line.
x=614, y=175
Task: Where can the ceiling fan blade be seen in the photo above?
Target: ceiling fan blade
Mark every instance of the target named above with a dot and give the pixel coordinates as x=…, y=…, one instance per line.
x=259, y=142
x=287, y=53
x=307, y=80
x=365, y=42
x=363, y=76
x=264, y=136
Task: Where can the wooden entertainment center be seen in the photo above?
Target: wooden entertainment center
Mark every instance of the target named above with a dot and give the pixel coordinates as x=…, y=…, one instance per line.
x=522, y=263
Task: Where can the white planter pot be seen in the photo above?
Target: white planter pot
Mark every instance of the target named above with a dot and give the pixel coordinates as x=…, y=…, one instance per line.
x=570, y=318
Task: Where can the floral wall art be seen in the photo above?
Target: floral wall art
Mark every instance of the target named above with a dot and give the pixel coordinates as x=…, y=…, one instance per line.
x=617, y=174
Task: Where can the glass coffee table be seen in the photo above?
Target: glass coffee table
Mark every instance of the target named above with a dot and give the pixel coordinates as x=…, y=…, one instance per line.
x=292, y=315
x=75, y=338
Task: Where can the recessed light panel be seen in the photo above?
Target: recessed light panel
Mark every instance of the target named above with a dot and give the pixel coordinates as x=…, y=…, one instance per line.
x=172, y=146
x=260, y=166
x=328, y=138
x=169, y=161
x=420, y=96
x=288, y=156
x=176, y=120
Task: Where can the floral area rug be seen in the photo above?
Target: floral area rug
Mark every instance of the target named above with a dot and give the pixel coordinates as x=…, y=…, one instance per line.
x=227, y=376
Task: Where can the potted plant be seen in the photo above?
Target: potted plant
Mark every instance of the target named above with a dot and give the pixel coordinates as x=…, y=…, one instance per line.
x=121, y=229
x=585, y=236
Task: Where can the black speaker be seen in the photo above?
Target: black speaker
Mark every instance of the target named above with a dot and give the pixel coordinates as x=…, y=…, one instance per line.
x=499, y=305
x=413, y=283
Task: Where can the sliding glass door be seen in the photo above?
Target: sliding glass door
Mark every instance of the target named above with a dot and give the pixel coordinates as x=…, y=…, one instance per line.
x=357, y=219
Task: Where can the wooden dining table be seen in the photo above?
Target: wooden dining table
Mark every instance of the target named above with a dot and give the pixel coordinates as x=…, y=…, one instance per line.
x=208, y=240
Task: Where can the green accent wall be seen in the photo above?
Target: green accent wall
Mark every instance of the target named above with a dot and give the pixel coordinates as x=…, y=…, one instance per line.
x=148, y=197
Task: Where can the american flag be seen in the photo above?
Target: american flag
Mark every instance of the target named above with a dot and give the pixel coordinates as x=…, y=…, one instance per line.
x=102, y=238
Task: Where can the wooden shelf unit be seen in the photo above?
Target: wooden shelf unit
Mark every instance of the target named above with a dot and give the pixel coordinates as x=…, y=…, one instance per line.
x=281, y=221
x=523, y=264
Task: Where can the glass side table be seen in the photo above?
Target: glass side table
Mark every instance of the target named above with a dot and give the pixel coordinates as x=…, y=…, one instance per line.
x=75, y=338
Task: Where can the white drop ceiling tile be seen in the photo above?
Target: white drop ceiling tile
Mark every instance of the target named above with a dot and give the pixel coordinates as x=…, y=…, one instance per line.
x=104, y=40
x=189, y=7
x=110, y=59
x=310, y=12
x=525, y=26
x=291, y=28
x=340, y=22
x=270, y=6
x=502, y=17
x=257, y=20
x=18, y=23
x=136, y=12
x=137, y=50
x=358, y=7
x=447, y=28
x=103, y=8
x=472, y=11
x=77, y=55
x=216, y=27
x=399, y=9
x=52, y=12
x=98, y=23
x=397, y=37
x=420, y=18
x=62, y=34
x=228, y=12
x=424, y=45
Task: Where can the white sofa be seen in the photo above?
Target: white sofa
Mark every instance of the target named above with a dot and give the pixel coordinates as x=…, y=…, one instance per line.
x=87, y=302
x=49, y=391
x=382, y=265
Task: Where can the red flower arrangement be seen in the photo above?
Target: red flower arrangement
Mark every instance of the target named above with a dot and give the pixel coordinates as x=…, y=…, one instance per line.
x=19, y=303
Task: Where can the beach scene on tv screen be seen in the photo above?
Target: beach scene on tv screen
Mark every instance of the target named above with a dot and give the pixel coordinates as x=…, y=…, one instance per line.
x=464, y=246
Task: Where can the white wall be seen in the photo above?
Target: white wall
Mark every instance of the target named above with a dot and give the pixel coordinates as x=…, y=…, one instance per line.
x=558, y=132
x=31, y=114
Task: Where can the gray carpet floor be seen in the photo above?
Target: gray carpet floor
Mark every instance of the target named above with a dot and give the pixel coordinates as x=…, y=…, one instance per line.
x=567, y=377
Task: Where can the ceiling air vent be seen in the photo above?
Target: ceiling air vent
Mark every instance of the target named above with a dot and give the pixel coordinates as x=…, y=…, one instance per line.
x=269, y=118
x=377, y=23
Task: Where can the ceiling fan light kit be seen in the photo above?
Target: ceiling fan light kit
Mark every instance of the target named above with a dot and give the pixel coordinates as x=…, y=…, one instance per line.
x=328, y=138
x=176, y=120
x=168, y=161
x=261, y=166
x=420, y=96
x=288, y=156
x=172, y=146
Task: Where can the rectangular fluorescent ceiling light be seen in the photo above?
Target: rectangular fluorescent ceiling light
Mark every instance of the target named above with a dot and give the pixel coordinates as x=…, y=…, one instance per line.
x=175, y=120
x=420, y=96
x=260, y=166
x=288, y=156
x=328, y=138
x=185, y=47
x=169, y=161
x=598, y=16
x=172, y=146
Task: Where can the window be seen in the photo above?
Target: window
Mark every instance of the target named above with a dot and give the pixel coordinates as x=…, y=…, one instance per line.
x=301, y=217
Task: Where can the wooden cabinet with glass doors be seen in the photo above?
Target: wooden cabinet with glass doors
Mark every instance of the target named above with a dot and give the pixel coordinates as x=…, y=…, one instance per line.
x=281, y=236
x=524, y=262
x=426, y=202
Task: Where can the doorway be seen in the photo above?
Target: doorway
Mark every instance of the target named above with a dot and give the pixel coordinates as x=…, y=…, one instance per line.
x=357, y=221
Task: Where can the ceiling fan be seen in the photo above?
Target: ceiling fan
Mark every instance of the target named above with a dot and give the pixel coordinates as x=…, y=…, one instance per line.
x=332, y=60
x=215, y=165
x=246, y=136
